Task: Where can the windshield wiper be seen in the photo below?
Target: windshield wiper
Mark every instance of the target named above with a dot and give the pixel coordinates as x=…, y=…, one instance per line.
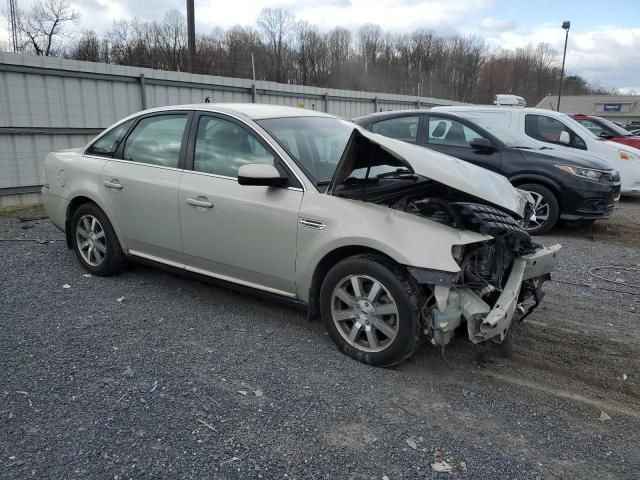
x=323, y=183
x=398, y=173
x=524, y=148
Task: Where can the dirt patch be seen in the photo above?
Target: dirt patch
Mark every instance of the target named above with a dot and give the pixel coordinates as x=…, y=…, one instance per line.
x=622, y=228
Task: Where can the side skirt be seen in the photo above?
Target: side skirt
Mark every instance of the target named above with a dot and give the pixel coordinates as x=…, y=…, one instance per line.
x=273, y=297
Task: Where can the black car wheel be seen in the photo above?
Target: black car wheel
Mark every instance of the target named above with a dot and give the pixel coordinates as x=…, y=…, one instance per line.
x=546, y=208
x=371, y=310
x=95, y=242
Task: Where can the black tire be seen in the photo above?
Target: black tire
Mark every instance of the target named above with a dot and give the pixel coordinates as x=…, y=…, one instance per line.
x=113, y=260
x=395, y=280
x=554, y=208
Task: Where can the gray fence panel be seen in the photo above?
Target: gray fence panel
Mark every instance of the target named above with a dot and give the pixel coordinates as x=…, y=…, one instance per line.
x=53, y=103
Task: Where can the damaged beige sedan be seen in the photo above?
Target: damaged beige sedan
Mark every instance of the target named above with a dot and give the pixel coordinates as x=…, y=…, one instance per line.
x=390, y=244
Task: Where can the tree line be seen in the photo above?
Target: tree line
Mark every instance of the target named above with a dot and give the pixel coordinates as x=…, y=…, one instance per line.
x=280, y=48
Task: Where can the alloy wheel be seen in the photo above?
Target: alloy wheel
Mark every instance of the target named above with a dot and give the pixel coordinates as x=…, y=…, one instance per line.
x=541, y=211
x=364, y=312
x=91, y=240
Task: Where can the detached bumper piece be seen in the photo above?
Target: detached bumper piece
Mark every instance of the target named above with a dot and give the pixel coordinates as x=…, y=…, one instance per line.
x=484, y=322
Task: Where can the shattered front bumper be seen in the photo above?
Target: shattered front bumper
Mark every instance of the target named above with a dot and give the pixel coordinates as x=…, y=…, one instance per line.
x=483, y=321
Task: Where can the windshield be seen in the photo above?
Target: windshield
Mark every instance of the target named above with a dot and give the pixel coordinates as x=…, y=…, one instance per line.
x=316, y=143
x=514, y=139
x=615, y=129
x=577, y=127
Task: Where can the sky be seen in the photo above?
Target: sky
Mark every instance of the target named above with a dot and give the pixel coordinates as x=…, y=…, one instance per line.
x=604, y=40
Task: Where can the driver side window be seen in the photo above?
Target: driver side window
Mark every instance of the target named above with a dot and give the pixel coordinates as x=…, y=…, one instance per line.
x=450, y=133
x=548, y=129
x=223, y=146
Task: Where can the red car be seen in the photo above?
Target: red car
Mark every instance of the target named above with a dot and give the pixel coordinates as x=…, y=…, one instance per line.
x=607, y=129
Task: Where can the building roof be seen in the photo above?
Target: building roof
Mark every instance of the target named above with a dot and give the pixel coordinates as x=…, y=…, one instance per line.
x=618, y=106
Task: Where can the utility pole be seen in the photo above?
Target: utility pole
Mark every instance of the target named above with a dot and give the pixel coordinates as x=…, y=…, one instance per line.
x=13, y=24
x=566, y=25
x=191, y=35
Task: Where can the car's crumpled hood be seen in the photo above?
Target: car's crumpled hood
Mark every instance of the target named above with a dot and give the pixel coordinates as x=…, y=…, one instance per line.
x=452, y=172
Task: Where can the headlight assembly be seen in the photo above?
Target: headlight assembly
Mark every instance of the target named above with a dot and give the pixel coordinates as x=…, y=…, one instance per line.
x=588, y=173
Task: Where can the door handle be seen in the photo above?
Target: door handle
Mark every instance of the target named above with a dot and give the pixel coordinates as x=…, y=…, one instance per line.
x=112, y=184
x=199, y=203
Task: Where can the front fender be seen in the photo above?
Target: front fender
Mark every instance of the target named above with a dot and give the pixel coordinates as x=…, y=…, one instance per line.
x=408, y=239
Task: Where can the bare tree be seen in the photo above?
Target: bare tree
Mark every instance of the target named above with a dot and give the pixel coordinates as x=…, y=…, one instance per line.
x=276, y=25
x=416, y=63
x=44, y=27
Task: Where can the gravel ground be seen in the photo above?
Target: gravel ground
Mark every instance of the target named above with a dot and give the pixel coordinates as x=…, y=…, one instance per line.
x=150, y=374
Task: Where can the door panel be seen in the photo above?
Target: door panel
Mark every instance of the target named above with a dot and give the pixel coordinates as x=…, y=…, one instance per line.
x=454, y=138
x=144, y=202
x=243, y=233
x=248, y=234
x=141, y=185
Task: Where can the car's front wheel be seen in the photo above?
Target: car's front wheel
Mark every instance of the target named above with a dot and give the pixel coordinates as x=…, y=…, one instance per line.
x=371, y=310
x=546, y=209
x=95, y=242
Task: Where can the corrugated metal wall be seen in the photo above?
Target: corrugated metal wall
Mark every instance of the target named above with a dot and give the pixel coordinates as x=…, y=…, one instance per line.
x=52, y=103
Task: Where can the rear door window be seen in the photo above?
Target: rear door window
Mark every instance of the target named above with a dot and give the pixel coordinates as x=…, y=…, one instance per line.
x=400, y=128
x=156, y=140
x=107, y=144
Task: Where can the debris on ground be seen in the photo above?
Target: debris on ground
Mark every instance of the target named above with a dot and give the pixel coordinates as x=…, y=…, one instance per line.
x=66, y=285
x=604, y=417
x=258, y=393
x=442, y=466
x=120, y=299
x=411, y=443
x=242, y=392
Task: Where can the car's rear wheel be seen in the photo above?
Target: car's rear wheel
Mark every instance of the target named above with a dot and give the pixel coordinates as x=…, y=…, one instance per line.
x=95, y=242
x=371, y=310
x=546, y=208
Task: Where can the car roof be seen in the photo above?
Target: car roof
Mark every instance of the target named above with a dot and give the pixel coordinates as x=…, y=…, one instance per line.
x=496, y=108
x=253, y=111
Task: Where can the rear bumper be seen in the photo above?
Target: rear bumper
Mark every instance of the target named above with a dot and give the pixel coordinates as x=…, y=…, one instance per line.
x=55, y=206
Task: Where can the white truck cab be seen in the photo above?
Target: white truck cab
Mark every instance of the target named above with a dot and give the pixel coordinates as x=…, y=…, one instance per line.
x=560, y=132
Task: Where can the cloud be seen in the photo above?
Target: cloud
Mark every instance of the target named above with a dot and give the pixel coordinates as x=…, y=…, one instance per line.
x=490, y=24
x=608, y=55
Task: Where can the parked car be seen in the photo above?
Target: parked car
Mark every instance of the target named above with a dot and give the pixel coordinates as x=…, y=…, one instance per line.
x=565, y=185
x=563, y=133
x=388, y=242
x=603, y=128
x=635, y=132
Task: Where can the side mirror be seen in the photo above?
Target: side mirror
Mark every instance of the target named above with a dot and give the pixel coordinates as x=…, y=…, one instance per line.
x=483, y=144
x=564, y=138
x=263, y=174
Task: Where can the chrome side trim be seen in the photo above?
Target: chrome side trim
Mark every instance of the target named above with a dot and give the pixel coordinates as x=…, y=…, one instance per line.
x=121, y=160
x=156, y=259
x=225, y=177
x=207, y=273
x=311, y=223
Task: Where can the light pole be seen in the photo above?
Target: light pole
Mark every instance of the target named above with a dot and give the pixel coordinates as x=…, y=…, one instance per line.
x=566, y=25
x=191, y=36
